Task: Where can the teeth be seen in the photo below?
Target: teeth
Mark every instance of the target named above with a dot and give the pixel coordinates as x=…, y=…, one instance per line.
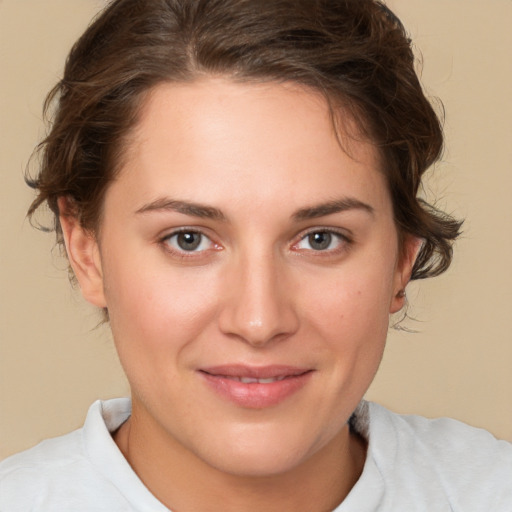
x=267, y=381
x=252, y=380
x=248, y=380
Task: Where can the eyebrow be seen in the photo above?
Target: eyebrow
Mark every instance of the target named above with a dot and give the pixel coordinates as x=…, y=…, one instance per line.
x=336, y=206
x=185, y=207
x=210, y=212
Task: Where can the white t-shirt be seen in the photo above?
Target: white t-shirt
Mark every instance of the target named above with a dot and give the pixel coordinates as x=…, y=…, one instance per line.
x=413, y=464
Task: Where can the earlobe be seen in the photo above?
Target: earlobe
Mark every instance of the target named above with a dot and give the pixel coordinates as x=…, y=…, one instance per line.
x=410, y=250
x=83, y=254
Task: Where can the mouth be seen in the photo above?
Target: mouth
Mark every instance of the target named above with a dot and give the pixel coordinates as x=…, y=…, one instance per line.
x=252, y=380
x=255, y=387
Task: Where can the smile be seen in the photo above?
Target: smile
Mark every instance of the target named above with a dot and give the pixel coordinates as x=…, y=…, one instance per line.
x=255, y=387
x=251, y=380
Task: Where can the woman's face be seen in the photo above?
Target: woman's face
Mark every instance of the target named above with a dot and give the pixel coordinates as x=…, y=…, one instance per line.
x=249, y=266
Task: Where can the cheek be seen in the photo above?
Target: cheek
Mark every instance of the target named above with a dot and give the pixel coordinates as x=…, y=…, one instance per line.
x=353, y=326
x=351, y=316
x=350, y=301
x=156, y=320
x=153, y=307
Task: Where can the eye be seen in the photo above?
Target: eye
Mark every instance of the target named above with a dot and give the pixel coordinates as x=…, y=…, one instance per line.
x=322, y=240
x=188, y=241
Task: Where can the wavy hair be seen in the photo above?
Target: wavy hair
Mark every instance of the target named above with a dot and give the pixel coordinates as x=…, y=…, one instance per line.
x=356, y=53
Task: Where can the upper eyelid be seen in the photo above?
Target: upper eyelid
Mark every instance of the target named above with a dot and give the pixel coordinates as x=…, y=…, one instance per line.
x=342, y=232
x=185, y=229
x=163, y=240
x=344, y=242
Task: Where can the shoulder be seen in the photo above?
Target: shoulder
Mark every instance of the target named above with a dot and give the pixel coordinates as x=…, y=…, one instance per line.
x=444, y=438
x=468, y=466
x=25, y=476
x=59, y=473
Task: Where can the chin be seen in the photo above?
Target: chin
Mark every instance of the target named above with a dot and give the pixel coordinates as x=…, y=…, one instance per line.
x=265, y=453
x=259, y=465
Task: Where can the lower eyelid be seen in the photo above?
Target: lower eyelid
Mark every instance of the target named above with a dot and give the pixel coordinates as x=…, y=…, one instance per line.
x=342, y=238
x=165, y=240
x=343, y=241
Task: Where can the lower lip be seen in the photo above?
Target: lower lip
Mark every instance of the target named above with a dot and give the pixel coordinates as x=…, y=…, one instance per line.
x=256, y=395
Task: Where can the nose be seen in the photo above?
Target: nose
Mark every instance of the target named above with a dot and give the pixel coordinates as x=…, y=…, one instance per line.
x=260, y=307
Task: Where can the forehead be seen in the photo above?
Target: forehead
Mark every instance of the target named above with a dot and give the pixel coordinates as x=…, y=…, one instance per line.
x=246, y=142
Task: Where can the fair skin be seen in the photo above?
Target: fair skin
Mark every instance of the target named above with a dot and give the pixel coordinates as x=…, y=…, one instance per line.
x=241, y=241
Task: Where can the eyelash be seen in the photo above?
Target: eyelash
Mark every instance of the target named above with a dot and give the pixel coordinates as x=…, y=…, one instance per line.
x=343, y=242
x=183, y=253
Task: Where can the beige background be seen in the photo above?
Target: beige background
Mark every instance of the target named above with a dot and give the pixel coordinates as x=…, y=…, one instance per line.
x=54, y=363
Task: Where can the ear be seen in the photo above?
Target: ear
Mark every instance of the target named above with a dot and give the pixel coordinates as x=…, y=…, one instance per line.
x=83, y=254
x=410, y=249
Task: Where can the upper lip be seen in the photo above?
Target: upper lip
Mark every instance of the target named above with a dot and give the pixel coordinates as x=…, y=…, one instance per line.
x=254, y=372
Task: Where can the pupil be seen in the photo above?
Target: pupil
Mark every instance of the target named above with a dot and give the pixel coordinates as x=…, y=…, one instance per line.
x=189, y=241
x=320, y=241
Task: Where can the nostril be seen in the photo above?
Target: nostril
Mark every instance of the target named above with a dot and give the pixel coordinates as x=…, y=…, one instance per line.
x=257, y=306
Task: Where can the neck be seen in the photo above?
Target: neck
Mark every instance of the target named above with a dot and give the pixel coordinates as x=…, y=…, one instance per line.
x=183, y=482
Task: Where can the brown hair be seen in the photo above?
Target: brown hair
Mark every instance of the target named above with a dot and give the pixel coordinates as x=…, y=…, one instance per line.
x=355, y=52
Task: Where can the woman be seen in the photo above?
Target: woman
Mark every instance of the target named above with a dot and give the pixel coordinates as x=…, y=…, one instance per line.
x=235, y=184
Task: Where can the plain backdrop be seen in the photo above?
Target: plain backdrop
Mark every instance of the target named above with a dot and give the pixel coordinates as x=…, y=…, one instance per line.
x=54, y=361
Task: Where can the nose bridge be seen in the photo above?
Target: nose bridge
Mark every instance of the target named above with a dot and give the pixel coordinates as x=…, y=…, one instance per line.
x=260, y=306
